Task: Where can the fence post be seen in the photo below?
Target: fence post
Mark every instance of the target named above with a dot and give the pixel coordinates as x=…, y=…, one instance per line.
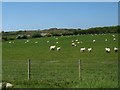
x=80, y=73
x=28, y=69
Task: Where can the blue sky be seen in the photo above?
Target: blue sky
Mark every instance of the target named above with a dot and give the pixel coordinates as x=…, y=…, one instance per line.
x=43, y=15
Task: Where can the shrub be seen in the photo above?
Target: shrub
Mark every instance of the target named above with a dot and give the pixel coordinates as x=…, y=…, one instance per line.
x=36, y=36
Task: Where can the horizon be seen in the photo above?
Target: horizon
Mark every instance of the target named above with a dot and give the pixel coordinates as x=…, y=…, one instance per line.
x=53, y=27
x=45, y=15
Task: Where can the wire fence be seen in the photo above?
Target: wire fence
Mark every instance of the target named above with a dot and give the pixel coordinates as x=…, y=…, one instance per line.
x=57, y=70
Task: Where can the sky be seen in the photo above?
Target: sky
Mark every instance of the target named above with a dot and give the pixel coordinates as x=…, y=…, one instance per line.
x=44, y=15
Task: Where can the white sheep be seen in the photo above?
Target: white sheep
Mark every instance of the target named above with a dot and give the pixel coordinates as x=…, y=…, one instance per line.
x=107, y=50
x=6, y=85
x=89, y=49
x=58, y=48
x=72, y=41
x=10, y=42
x=73, y=44
x=52, y=47
x=114, y=39
x=48, y=41
x=113, y=35
x=115, y=49
x=36, y=42
x=9, y=85
x=94, y=41
x=106, y=40
x=27, y=40
x=76, y=40
x=82, y=49
x=56, y=42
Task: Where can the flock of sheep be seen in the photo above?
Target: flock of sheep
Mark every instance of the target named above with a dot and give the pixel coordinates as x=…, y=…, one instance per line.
x=74, y=44
x=83, y=49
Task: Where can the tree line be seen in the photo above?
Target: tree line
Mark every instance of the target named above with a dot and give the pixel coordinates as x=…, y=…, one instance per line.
x=57, y=32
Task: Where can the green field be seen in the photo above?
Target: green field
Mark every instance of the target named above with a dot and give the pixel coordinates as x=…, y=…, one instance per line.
x=59, y=69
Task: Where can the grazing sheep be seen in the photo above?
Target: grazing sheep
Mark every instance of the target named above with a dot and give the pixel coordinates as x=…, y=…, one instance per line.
x=106, y=40
x=89, y=49
x=58, y=48
x=78, y=42
x=107, y=50
x=73, y=44
x=94, y=41
x=48, y=41
x=56, y=38
x=36, y=42
x=27, y=40
x=113, y=35
x=82, y=49
x=72, y=41
x=52, y=47
x=10, y=42
x=115, y=49
x=56, y=42
x=114, y=39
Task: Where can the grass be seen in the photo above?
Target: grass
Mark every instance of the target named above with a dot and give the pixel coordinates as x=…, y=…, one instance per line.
x=59, y=69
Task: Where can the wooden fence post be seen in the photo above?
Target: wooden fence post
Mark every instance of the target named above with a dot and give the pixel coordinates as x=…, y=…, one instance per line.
x=28, y=69
x=80, y=73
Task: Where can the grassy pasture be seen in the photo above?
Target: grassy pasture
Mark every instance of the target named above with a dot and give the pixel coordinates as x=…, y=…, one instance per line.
x=59, y=69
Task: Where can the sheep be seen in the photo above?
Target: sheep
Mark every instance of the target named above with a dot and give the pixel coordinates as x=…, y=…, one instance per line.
x=58, y=48
x=113, y=35
x=106, y=40
x=56, y=38
x=48, y=41
x=115, y=49
x=107, y=50
x=27, y=40
x=89, y=49
x=94, y=41
x=72, y=41
x=6, y=85
x=52, y=47
x=76, y=40
x=36, y=42
x=10, y=42
x=9, y=85
x=56, y=42
x=82, y=49
x=73, y=44
x=114, y=39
